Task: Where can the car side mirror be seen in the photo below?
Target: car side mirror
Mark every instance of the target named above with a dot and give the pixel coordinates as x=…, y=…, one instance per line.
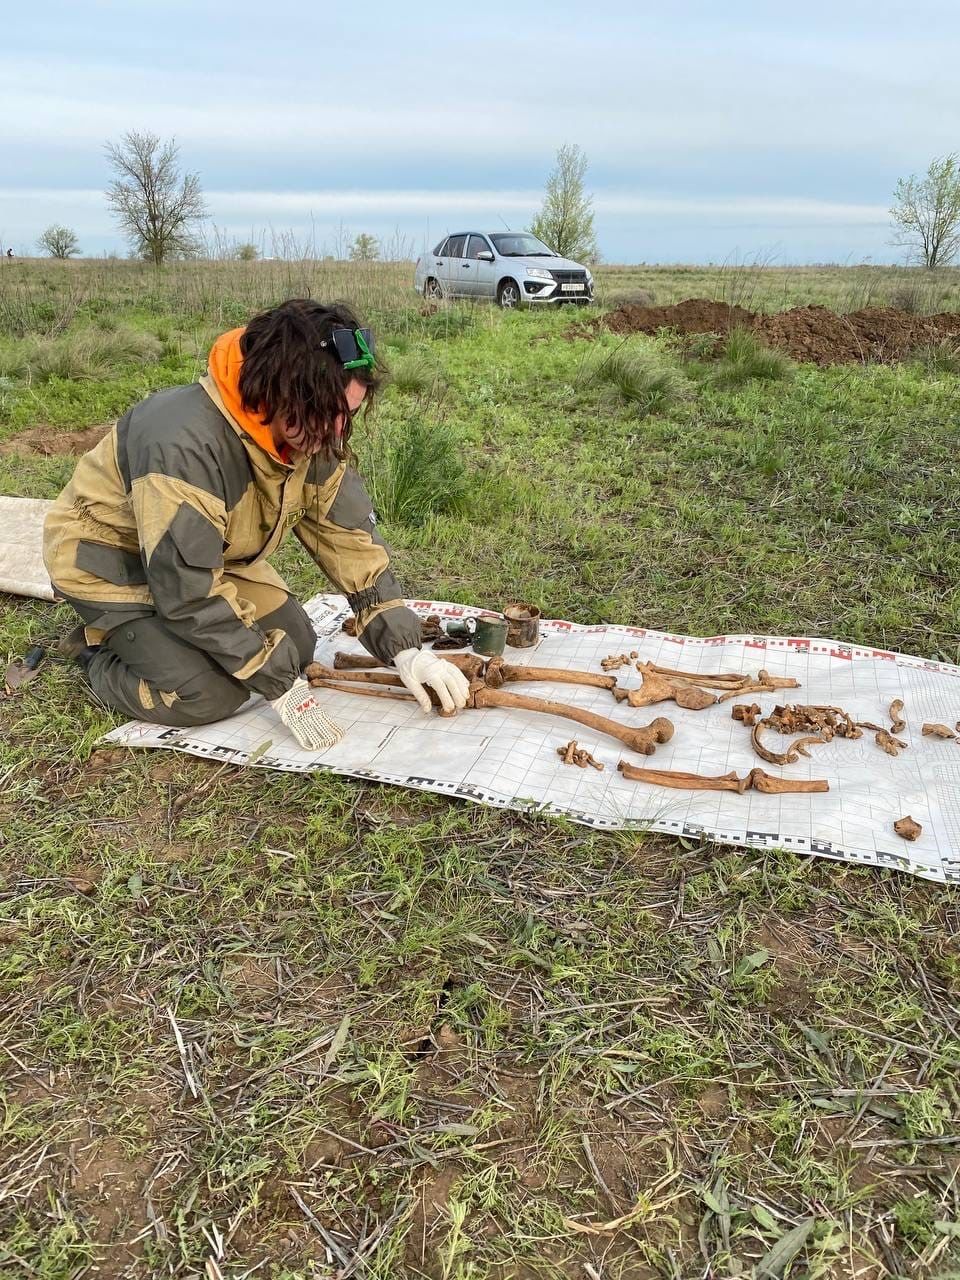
x=484, y=256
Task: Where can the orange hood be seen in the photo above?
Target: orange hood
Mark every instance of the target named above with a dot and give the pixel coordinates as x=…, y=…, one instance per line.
x=224, y=365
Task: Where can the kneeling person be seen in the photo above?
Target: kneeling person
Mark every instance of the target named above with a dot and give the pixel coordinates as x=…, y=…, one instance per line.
x=161, y=540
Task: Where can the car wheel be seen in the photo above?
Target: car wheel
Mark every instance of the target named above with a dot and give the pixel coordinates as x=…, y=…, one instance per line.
x=433, y=290
x=508, y=295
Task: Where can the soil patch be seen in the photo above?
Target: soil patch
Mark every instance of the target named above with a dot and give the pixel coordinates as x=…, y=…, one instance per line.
x=48, y=442
x=812, y=334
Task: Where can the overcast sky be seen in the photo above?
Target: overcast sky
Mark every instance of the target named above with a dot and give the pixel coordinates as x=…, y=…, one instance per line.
x=714, y=131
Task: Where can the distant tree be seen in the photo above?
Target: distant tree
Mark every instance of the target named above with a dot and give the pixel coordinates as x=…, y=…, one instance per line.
x=59, y=242
x=565, y=221
x=365, y=248
x=155, y=204
x=247, y=252
x=926, y=213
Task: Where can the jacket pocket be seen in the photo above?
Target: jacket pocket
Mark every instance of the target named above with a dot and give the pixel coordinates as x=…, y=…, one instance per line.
x=112, y=564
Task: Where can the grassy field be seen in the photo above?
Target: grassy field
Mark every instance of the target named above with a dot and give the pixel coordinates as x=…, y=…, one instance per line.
x=258, y=1025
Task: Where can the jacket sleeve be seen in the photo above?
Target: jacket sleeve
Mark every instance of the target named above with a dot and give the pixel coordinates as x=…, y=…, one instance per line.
x=338, y=529
x=181, y=516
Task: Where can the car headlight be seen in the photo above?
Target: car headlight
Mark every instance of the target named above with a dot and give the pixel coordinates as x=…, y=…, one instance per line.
x=538, y=273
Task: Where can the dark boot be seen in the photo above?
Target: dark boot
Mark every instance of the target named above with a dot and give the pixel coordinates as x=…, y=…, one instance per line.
x=74, y=646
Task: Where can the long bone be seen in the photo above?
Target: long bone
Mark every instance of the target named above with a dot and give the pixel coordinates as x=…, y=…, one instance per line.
x=496, y=673
x=643, y=740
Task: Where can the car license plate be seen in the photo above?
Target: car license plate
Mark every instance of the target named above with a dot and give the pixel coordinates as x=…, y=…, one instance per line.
x=571, y=288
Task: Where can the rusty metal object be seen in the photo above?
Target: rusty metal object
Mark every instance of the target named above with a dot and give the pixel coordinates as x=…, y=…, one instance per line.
x=756, y=778
x=908, y=828
x=523, y=624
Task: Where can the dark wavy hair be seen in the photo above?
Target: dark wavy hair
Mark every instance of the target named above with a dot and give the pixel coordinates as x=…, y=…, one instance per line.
x=287, y=377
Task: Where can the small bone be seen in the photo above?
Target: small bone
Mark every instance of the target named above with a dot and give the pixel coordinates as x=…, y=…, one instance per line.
x=746, y=713
x=613, y=661
x=888, y=743
x=572, y=754
x=896, y=715
x=938, y=731
x=765, y=683
x=908, y=828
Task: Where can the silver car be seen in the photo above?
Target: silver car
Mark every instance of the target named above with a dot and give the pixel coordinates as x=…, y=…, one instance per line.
x=512, y=268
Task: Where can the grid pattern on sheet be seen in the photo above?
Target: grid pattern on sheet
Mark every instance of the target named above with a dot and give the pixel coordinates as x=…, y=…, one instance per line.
x=507, y=758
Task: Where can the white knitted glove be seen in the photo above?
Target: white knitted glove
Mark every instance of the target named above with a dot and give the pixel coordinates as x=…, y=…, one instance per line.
x=418, y=667
x=300, y=711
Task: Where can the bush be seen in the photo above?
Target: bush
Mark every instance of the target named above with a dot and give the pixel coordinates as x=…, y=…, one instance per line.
x=939, y=357
x=414, y=470
x=85, y=354
x=647, y=385
x=418, y=375
x=743, y=357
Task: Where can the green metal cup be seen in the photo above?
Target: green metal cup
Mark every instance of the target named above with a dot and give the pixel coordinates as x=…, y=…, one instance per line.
x=490, y=637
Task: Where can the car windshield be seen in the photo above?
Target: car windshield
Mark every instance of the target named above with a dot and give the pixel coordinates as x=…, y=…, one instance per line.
x=518, y=244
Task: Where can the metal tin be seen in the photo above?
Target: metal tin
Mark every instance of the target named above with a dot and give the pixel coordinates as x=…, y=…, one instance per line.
x=523, y=624
x=490, y=637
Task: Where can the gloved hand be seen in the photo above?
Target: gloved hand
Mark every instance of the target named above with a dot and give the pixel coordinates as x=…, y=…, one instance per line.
x=300, y=711
x=418, y=667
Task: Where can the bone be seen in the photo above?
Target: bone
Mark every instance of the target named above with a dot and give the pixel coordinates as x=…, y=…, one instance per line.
x=499, y=672
x=938, y=731
x=572, y=754
x=679, y=781
x=317, y=671
x=792, y=753
x=765, y=683
x=643, y=740
x=367, y=690
x=469, y=663
x=896, y=716
x=613, y=661
x=756, y=779
x=782, y=786
x=724, y=680
x=746, y=713
x=908, y=828
x=657, y=687
x=888, y=743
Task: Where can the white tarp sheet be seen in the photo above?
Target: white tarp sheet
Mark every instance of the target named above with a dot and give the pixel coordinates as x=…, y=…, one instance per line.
x=21, y=547
x=508, y=758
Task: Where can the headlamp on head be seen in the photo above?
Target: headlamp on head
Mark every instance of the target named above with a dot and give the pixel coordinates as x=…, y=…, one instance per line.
x=352, y=347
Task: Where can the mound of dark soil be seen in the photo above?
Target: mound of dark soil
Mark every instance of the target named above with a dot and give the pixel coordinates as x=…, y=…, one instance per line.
x=814, y=334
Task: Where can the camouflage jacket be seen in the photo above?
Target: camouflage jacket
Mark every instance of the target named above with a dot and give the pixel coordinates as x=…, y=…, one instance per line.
x=178, y=506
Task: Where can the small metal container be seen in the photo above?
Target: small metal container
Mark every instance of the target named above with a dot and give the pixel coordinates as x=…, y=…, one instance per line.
x=523, y=625
x=490, y=637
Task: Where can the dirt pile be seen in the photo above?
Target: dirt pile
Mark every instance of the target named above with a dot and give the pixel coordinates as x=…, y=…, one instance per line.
x=811, y=333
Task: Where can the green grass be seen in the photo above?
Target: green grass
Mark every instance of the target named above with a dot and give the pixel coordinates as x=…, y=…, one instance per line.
x=435, y=1033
